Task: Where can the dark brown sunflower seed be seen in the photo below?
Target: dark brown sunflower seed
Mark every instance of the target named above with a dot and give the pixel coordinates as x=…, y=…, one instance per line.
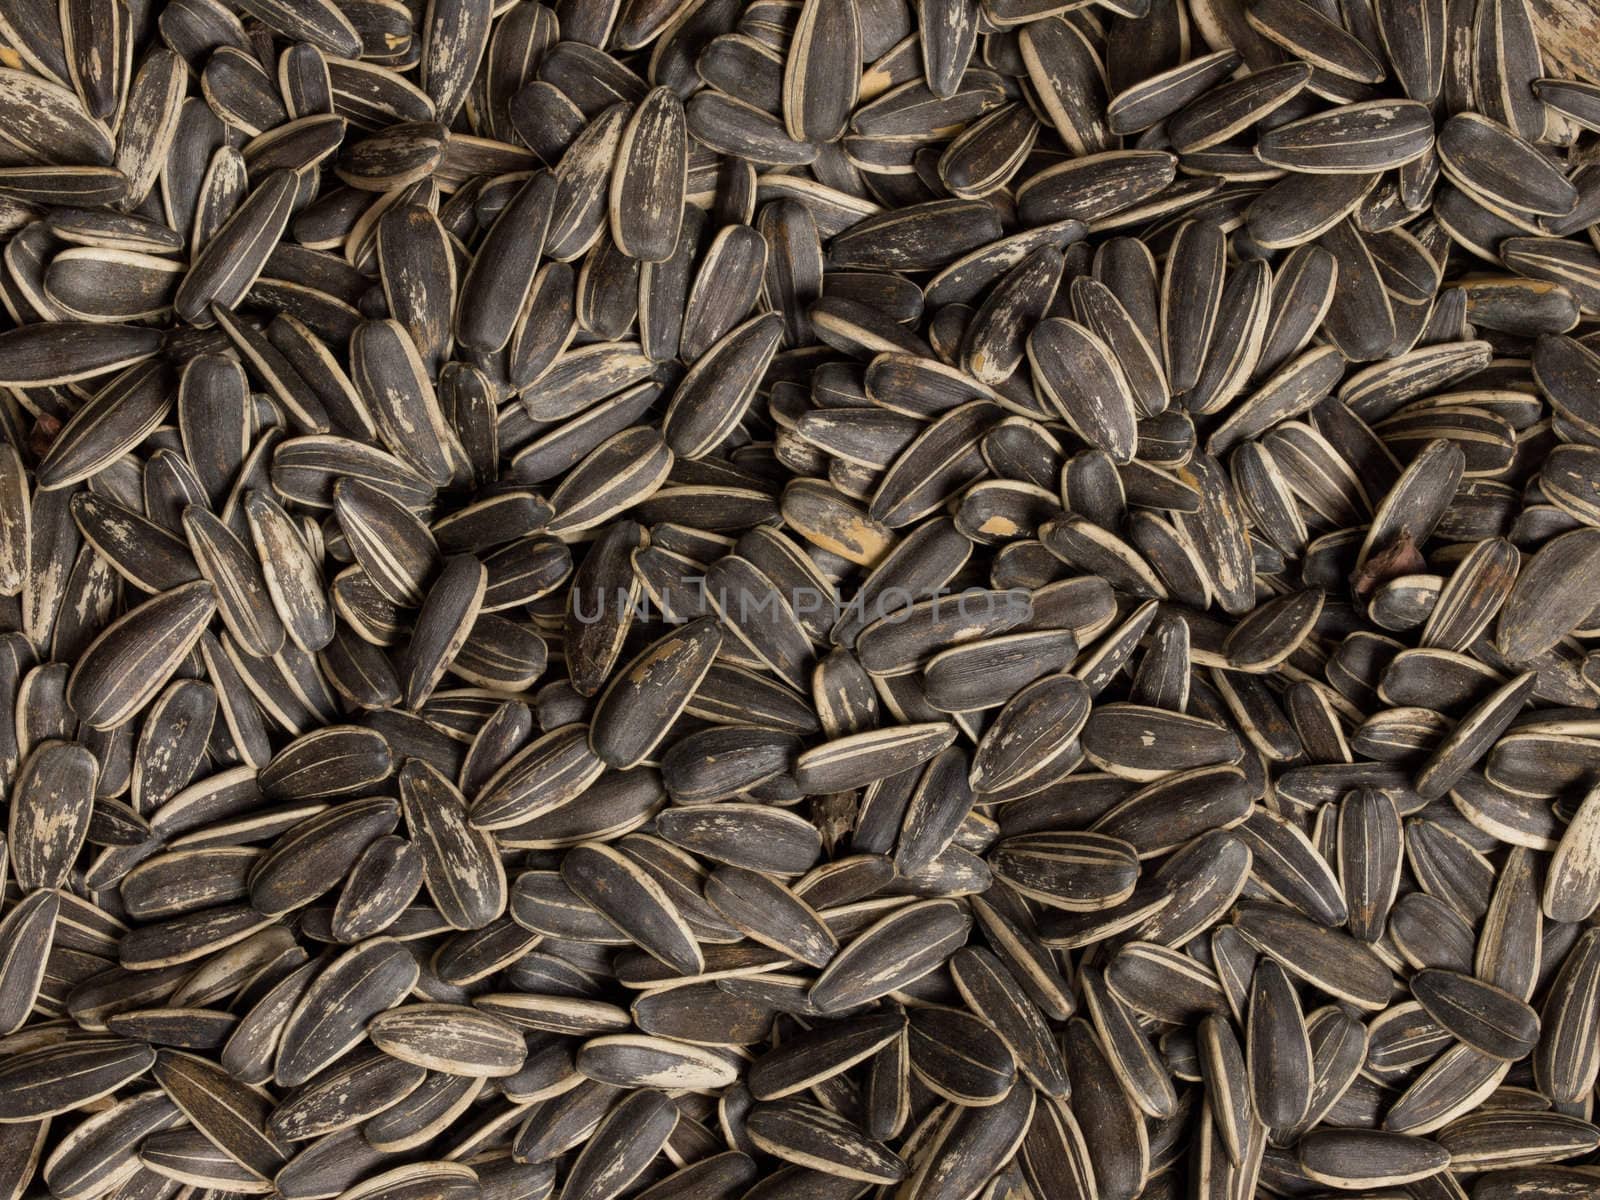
x=59, y=1078
x=1359, y=1158
x=1318, y=955
x=1368, y=136
x=133, y=658
x=898, y=949
x=462, y=872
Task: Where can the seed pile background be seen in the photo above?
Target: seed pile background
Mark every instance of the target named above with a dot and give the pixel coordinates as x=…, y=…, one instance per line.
x=486, y=712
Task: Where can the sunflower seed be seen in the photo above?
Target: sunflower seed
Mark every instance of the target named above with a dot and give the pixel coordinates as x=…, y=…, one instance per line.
x=1369, y=1158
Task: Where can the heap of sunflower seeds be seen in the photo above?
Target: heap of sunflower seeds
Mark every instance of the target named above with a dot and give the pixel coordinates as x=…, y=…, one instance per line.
x=798, y=600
